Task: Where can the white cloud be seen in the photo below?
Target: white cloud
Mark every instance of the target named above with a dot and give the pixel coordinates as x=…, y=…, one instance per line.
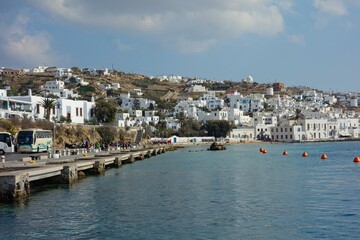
x=198, y=21
x=332, y=7
x=29, y=48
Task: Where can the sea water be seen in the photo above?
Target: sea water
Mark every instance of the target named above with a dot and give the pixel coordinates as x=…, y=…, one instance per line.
x=192, y=193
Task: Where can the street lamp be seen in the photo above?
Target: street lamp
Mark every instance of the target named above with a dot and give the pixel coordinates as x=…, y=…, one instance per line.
x=53, y=147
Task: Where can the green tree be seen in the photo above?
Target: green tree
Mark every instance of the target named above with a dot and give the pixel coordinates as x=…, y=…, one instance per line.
x=107, y=134
x=162, y=131
x=48, y=104
x=105, y=110
x=191, y=128
x=218, y=128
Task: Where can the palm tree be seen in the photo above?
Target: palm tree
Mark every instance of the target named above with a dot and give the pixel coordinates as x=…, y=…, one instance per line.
x=48, y=104
x=298, y=115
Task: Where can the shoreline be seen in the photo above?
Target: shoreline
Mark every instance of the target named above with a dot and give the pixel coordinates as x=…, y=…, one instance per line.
x=192, y=144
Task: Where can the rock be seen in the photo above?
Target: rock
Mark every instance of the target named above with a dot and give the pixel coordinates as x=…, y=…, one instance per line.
x=215, y=146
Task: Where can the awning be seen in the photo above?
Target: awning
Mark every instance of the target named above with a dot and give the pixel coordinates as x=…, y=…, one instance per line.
x=344, y=135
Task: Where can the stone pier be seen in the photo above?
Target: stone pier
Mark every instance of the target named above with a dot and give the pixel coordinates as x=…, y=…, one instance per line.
x=130, y=159
x=99, y=167
x=14, y=187
x=117, y=162
x=69, y=174
x=15, y=178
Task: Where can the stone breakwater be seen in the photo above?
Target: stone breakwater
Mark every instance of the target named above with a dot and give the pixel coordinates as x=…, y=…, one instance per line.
x=16, y=180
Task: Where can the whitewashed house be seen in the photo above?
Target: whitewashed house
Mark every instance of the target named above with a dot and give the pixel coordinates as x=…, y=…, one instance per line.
x=137, y=92
x=128, y=103
x=288, y=132
x=30, y=106
x=197, y=88
x=135, y=113
x=38, y=69
x=213, y=115
x=172, y=123
x=241, y=134
x=78, y=111
x=63, y=72
x=57, y=88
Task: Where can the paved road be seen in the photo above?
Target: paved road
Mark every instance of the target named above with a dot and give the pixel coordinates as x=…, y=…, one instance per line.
x=18, y=156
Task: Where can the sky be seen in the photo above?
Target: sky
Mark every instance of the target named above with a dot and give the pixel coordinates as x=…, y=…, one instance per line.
x=314, y=43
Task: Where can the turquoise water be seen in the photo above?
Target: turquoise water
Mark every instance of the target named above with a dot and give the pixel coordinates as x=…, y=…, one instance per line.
x=192, y=193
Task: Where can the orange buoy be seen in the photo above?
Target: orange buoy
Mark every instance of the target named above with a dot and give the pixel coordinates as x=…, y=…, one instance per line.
x=261, y=150
x=304, y=154
x=356, y=160
x=285, y=153
x=264, y=151
x=323, y=157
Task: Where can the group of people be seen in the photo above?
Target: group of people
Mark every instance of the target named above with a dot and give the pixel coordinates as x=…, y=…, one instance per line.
x=122, y=144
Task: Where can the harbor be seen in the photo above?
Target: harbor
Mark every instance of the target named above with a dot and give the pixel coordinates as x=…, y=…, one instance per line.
x=16, y=178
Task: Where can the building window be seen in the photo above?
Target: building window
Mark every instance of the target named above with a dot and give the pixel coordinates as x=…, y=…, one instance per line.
x=77, y=111
x=37, y=108
x=81, y=113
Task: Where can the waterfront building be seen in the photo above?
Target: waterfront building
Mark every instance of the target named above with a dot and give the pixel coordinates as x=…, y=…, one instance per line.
x=287, y=132
x=242, y=134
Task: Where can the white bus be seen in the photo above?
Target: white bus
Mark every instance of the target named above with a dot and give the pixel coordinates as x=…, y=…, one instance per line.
x=6, y=143
x=34, y=140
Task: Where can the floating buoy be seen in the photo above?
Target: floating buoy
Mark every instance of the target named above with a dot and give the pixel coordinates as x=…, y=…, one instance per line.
x=323, y=156
x=285, y=153
x=261, y=150
x=356, y=160
x=264, y=151
x=304, y=154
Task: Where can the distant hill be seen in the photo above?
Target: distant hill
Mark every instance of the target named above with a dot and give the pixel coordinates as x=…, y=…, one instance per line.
x=152, y=88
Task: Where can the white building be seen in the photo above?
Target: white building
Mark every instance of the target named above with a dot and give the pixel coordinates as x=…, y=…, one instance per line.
x=30, y=106
x=137, y=92
x=241, y=134
x=57, y=88
x=38, y=69
x=287, y=133
x=197, y=88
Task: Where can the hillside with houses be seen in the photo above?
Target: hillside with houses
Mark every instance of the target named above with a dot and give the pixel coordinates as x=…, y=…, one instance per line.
x=164, y=106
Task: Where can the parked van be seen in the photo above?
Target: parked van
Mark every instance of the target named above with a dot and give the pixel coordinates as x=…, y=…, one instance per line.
x=6, y=143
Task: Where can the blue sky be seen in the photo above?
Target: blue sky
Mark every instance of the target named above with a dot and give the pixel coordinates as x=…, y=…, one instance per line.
x=313, y=43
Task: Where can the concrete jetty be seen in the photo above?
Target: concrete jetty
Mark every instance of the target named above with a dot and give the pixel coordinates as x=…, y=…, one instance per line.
x=16, y=177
